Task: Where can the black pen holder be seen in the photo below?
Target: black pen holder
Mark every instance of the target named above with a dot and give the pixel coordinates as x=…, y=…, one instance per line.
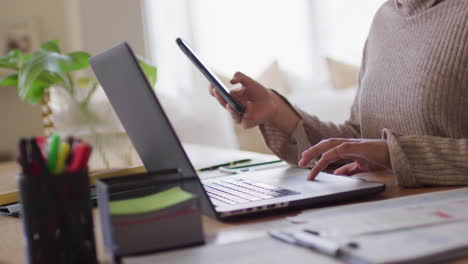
x=57, y=218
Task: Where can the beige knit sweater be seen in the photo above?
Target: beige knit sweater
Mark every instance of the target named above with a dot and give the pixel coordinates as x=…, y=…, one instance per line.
x=413, y=92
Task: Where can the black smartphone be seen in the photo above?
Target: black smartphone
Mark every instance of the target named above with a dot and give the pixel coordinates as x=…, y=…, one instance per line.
x=217, y=84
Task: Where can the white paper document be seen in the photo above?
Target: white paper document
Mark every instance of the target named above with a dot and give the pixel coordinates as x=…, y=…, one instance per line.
x=314, y=214
x=258, y=251
x=417, y=229
x=384, y=216
x=419, y=245
x=385, y=220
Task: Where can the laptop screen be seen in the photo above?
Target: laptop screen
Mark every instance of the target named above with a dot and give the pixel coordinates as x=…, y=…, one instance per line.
x=142, y=116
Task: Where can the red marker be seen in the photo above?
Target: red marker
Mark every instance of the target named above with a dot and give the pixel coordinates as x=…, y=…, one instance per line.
x=38, y=166
x=41, y=143
x=81, y=153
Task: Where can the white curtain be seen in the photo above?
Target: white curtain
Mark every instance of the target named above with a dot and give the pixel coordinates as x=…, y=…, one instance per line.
x=183, y=92
x=247, y=36
x=343, y=27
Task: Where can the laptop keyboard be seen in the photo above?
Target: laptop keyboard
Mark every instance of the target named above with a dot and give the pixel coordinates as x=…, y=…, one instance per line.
x=237, y=191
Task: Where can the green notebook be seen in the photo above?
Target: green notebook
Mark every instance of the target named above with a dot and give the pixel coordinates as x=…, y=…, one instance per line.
x=149, y=203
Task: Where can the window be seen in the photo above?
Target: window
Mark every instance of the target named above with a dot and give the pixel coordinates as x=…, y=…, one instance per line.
x=248, y=35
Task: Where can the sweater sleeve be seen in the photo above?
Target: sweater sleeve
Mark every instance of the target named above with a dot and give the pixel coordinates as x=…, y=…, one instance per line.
x=427, y=160
x=309, y=131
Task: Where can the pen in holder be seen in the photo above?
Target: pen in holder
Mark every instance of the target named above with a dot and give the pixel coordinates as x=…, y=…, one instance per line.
x=57, y=219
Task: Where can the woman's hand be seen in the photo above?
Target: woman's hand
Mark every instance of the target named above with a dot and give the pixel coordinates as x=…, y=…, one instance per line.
x=258, y=101
x=368, y=155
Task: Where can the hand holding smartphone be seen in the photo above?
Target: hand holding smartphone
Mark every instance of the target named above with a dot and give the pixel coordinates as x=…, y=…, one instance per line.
x=217, y=84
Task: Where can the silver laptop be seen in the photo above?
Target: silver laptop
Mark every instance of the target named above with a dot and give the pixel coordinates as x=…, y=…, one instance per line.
x=223, y=197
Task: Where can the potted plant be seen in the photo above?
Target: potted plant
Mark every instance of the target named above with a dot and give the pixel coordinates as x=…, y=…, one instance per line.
x=66, y=93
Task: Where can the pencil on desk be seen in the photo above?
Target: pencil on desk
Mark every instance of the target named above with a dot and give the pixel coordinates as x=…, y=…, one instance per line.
x=255, y=164
x=214, y=167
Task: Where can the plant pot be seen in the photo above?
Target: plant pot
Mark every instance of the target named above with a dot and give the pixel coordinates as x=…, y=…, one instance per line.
x=92, y=119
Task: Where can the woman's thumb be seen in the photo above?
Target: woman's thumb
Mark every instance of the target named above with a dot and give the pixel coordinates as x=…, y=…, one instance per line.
x=238, y=90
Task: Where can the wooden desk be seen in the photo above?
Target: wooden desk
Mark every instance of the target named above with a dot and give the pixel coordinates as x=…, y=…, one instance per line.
x=11, y=243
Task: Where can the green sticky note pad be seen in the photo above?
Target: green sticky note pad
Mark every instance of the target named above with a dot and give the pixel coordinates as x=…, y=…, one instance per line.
x=149, y=203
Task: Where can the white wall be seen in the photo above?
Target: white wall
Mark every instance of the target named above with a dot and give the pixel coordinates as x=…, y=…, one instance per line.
x=105, y=23
x=48, y=13
x=19, y=119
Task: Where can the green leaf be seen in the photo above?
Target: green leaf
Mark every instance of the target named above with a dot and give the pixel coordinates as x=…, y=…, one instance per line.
x=60, y=63
x=80, y=60
x=51, y=78
x=12, y=59
x=43, y=68
x=25, y=58
x=51, y=45
x=36, y=91
x=150, y=72
x=9, y=80
x=34, y=78
x=29, y=73
x=86, y=81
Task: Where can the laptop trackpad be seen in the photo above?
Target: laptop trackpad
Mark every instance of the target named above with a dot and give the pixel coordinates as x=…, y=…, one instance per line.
x=296, y=180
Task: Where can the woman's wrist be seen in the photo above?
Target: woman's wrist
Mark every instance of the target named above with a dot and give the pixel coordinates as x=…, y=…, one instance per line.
x=283, y=115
